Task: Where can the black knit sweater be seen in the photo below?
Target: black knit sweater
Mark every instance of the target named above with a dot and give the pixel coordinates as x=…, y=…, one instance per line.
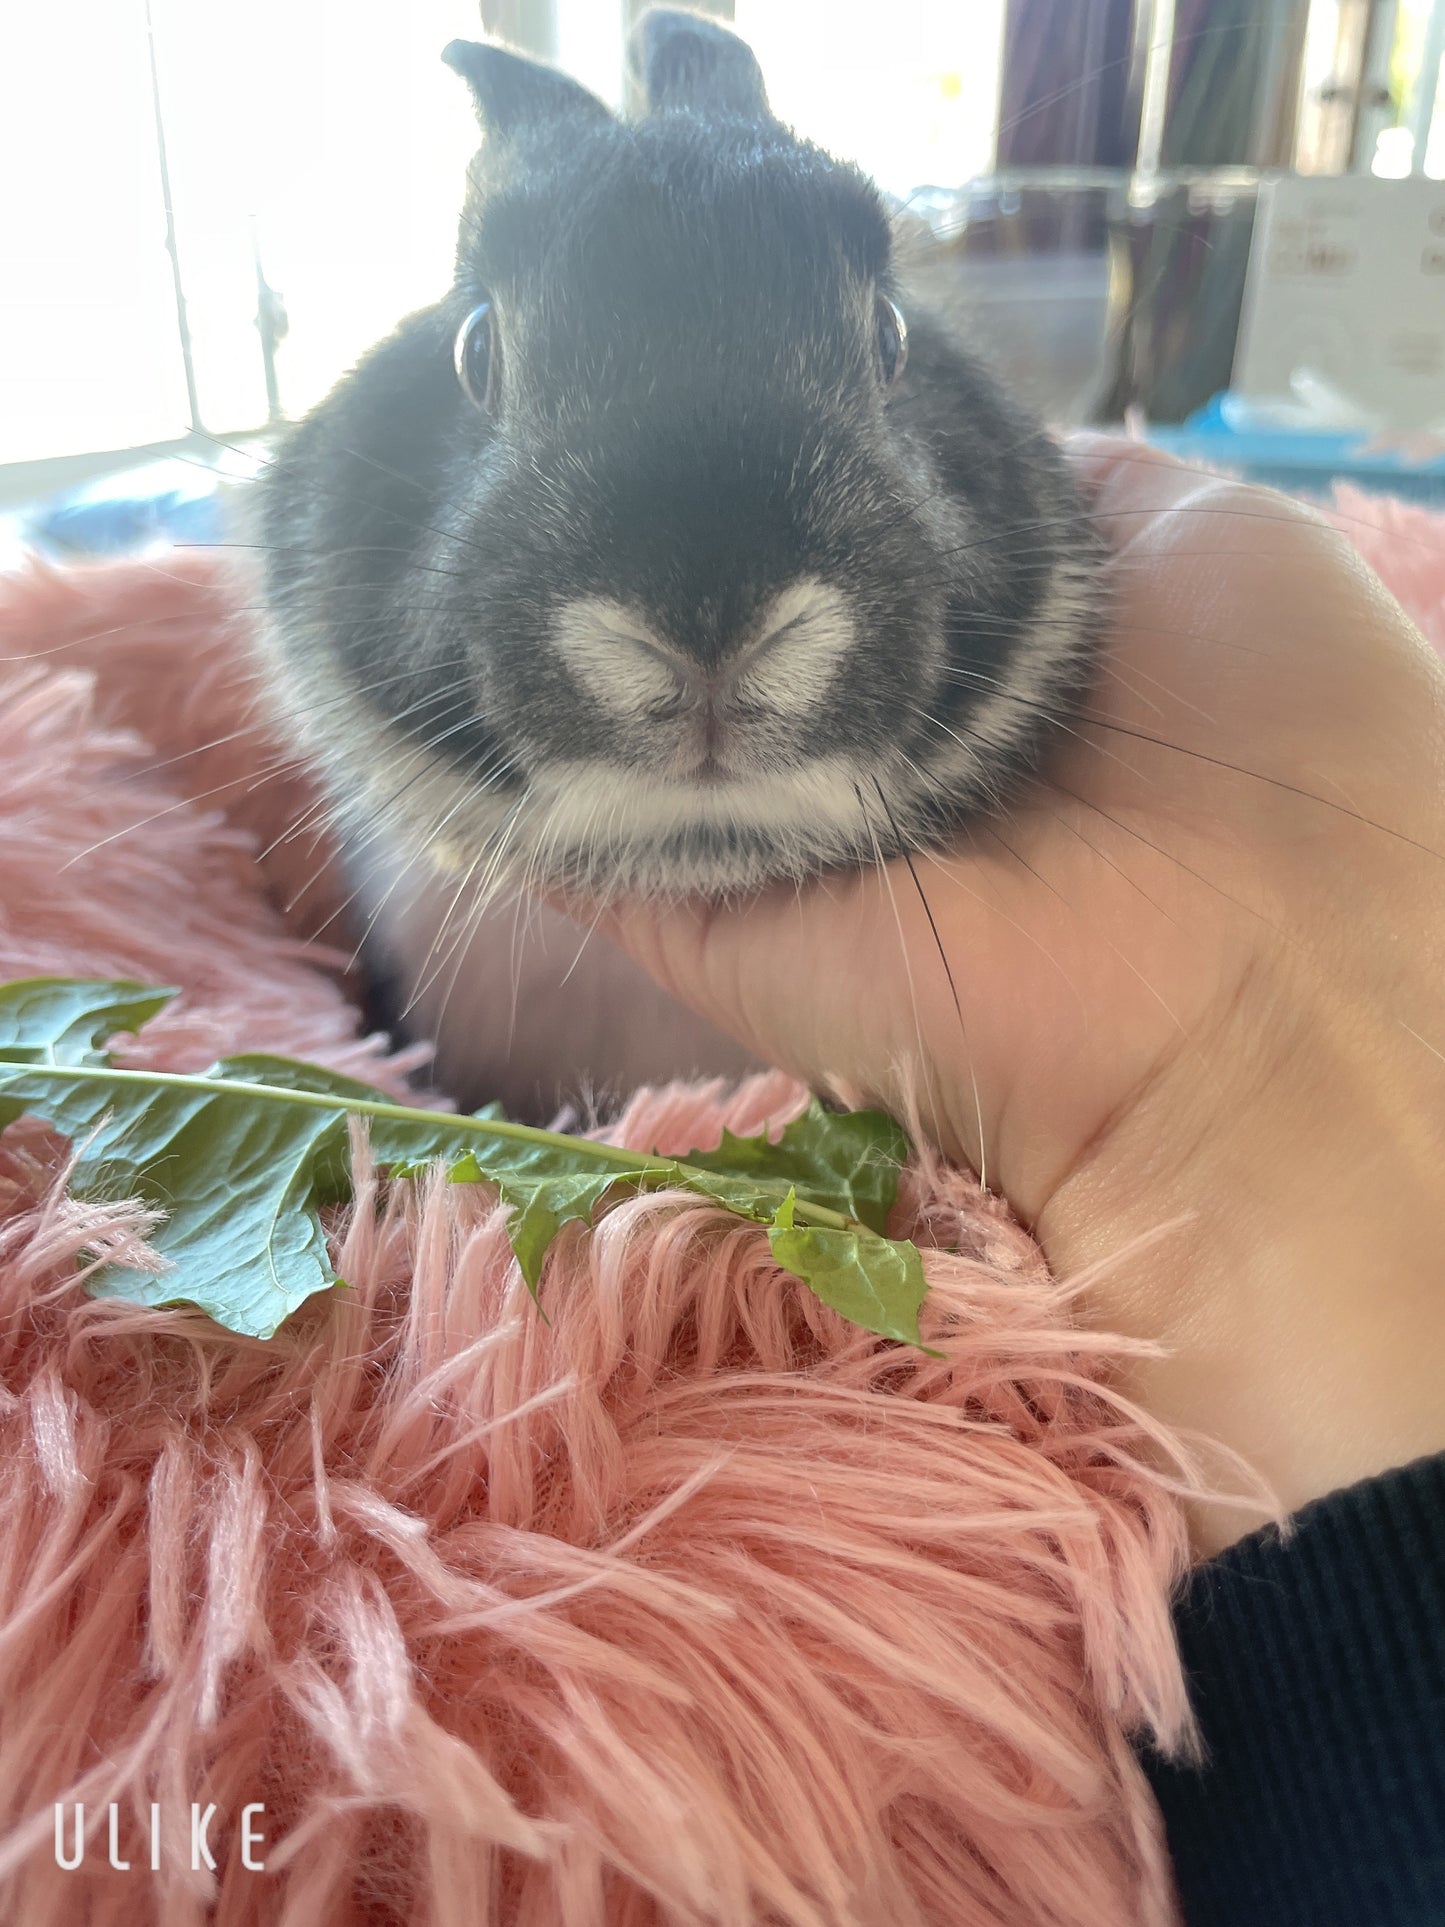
x=1317, y=1668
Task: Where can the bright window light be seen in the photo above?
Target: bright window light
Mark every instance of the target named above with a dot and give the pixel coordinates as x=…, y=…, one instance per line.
x=323, y=139
x=908, y=89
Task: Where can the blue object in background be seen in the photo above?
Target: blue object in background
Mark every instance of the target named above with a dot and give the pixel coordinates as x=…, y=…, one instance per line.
x=163, y=502
x=158, y=504
x=1226, y=433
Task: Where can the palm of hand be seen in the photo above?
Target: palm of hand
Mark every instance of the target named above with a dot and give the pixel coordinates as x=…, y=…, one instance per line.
x=1199, y=1037
x=1151, y=911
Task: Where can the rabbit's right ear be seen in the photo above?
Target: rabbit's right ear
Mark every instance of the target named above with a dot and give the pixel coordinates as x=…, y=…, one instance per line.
x=512, y=91
x=684, y=60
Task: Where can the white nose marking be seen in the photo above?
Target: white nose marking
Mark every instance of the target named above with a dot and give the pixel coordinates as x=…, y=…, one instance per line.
x=805, y=635
x=615, y=658
x=787, y=664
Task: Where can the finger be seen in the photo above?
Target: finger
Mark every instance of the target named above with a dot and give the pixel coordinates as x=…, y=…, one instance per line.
x=1128, y=482
x=669, y=940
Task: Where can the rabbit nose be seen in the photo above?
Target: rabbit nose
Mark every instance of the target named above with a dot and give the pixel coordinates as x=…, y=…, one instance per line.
x=694, y=681
x=785, y=660
x=619, y=663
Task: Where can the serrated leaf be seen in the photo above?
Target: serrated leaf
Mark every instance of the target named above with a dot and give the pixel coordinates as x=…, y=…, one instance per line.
x=237, y=1179
x=56, y=1020
x=242, y=1157
x=544, y=1187
x=848, y=1161
x=874, y=1282
x=541, y=1192
x=240, y=1178
x=540, y=1209
x=331, y=1155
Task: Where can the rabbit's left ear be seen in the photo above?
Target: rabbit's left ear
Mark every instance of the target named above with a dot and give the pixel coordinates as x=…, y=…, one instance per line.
x=686, y=61
x=512, y=92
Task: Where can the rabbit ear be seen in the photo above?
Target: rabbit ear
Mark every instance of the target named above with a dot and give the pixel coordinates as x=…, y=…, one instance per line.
x=512, y=91
x=685, y=61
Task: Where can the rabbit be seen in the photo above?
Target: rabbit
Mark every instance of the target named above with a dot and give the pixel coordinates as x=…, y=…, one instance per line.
x=673, y=552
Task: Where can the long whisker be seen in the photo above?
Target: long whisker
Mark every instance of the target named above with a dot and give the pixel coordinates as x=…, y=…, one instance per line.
x=881, y=865
x=952, y=986
x=1094, y=721
x=1170, y=856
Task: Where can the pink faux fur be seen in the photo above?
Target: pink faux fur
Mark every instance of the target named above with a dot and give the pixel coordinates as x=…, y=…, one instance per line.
x=693, y=1605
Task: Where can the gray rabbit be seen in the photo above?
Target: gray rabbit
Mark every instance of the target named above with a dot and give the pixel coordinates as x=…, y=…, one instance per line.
x=672, y=552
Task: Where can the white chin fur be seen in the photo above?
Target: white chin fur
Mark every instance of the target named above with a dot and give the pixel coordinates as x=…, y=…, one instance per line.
x=608, y=831
x=630, y=833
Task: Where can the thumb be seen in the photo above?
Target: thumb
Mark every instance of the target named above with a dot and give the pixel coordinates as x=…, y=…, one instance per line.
x=1126, y=484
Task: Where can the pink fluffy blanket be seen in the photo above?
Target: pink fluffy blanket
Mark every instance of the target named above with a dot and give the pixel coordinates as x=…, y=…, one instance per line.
x=693, y=1605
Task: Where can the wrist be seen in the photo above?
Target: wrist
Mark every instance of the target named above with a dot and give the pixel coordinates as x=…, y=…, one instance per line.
x=1301, y=1168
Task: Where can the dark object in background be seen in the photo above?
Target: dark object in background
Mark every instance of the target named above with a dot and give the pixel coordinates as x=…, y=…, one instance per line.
x=1128, y=162
x=1073, y=83
x=1233, y=92
x=1077, y=73
x=1178, y=258
x=1093, y=290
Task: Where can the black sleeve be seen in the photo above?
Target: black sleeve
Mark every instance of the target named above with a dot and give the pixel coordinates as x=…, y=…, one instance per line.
x=1317, y=1669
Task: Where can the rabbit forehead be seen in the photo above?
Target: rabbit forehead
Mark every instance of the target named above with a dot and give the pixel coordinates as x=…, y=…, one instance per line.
x=619, y=207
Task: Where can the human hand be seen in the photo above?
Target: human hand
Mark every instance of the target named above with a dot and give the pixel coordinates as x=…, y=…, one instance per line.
x=1198, y=975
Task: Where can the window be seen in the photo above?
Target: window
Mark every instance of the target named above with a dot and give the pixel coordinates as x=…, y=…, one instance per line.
x=318, y=145
x=314, y=152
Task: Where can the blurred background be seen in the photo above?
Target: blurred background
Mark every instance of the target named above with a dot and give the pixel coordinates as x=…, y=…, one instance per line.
x=214, y=206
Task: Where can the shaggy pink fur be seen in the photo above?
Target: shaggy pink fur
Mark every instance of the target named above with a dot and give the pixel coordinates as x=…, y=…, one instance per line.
x=693, y=1605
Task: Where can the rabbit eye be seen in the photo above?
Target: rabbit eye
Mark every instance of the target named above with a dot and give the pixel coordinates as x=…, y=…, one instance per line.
x=892, y=336
x=474, y=355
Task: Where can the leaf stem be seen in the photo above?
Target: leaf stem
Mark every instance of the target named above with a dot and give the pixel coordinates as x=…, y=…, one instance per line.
x=640, y=1163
